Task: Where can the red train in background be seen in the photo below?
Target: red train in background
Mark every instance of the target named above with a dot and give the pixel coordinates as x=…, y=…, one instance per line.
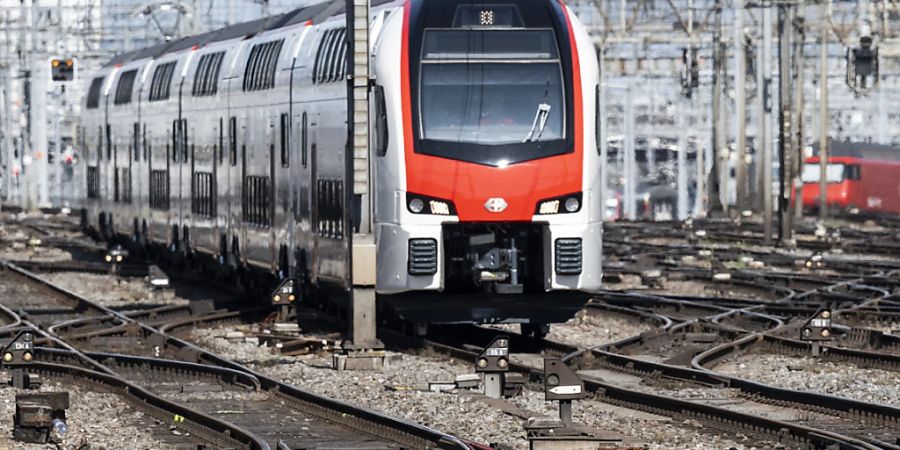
x=861, y=177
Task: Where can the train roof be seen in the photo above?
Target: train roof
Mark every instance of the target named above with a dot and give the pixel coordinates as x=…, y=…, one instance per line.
x=316, y=13
x=862, y=150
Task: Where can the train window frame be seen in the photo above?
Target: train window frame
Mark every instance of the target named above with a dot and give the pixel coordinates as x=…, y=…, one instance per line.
x=319, y=53
x=184, y=139
x=232, y=138
x=175, y=140
x=94, y=91
x=125, y=87
x=382, y=137
x=272, y=65
x=333, y=55
x=108, y=143
x=329, y=53
x=262, y=64
x=285, y=140
x=598, y=121
x=221, y=154
x=249, y=68
x=342, y=69
x=206, y=77
x=160, y=85
x=136, y=130
x=304, y=140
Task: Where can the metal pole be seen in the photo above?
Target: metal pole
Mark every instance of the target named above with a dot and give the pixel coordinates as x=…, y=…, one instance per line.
x=786, y=119
x=714, y=187
x=740, y=165
x=766, y=124
x=39, y=189
x=799, y=123
x=628, y=145
x=683, y=142
x=700, y=160
x=823, y=124
x=604, y=143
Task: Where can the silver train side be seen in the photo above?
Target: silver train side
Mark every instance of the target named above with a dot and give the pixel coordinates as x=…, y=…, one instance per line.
x=229, y=147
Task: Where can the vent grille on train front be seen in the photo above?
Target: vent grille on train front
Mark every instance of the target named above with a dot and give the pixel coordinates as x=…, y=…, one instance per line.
x=422, y=257
x=568, y=256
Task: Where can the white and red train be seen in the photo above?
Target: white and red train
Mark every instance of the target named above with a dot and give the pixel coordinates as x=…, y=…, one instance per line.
x=484, y=163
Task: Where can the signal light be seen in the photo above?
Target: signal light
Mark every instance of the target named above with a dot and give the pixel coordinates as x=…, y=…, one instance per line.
x=62, y=70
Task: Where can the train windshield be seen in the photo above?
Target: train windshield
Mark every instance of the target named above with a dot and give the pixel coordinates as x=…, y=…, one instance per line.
x=834, y=173
x=502, y=89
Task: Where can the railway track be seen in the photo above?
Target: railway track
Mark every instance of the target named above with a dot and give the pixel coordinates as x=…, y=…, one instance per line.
x=277, y=414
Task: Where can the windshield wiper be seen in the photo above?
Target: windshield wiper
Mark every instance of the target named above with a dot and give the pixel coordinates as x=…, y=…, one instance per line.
x=540, y=117
x=540, y=121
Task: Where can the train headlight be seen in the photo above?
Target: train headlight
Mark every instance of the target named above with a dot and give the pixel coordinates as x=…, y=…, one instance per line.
x=416, y=205
x=27, y=357
x=551, y=207
x=420, y=204
x=7, y=357
x=564, y=204
x=440, y=208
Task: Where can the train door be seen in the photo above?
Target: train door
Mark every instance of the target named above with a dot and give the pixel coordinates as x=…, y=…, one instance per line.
x=300, y=198
x=271, y=193
x=313, y=195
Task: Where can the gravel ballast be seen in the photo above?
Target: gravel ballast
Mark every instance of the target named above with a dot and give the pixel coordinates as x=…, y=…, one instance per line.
x=814, y=375
x=99, y=419
x=113, y=291
x=400, y=390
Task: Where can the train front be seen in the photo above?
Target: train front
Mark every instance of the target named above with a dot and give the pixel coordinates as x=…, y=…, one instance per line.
x=487, y=172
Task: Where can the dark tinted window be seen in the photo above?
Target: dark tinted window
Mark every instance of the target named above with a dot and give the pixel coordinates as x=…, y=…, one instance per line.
x=261, y=64
x=93, y=99
x=206, y=79
x=505, y=44
x=162, y=81
x=331, y=57
x=125, y=87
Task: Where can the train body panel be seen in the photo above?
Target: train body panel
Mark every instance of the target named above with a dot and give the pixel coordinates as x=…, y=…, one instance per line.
x=854, y=184
x=234, y=146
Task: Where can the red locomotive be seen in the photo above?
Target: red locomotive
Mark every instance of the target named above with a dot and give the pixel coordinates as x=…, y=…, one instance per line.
x=861, y=177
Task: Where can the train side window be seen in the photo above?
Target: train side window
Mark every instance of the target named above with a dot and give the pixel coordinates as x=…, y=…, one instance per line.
x=146, y=145
x=600, y=118
x=334, y=61
x=137, y=141
x=329, y=53
x=285, y=140
x=93, y=98
x=381, y=125
x=221, y=141
x=175, y=131
x=318, y=61
x=184, y=139
x=852, y=172
x=108, y=143
x=303, y=141
x=125, y=87
x=232, y=136
x=342, y=73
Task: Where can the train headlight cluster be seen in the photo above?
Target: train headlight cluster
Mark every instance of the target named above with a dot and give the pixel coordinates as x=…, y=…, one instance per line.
x=420, y=204
x=565, y=204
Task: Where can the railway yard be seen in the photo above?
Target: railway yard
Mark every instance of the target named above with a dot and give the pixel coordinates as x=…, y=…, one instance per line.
x=697, y=342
